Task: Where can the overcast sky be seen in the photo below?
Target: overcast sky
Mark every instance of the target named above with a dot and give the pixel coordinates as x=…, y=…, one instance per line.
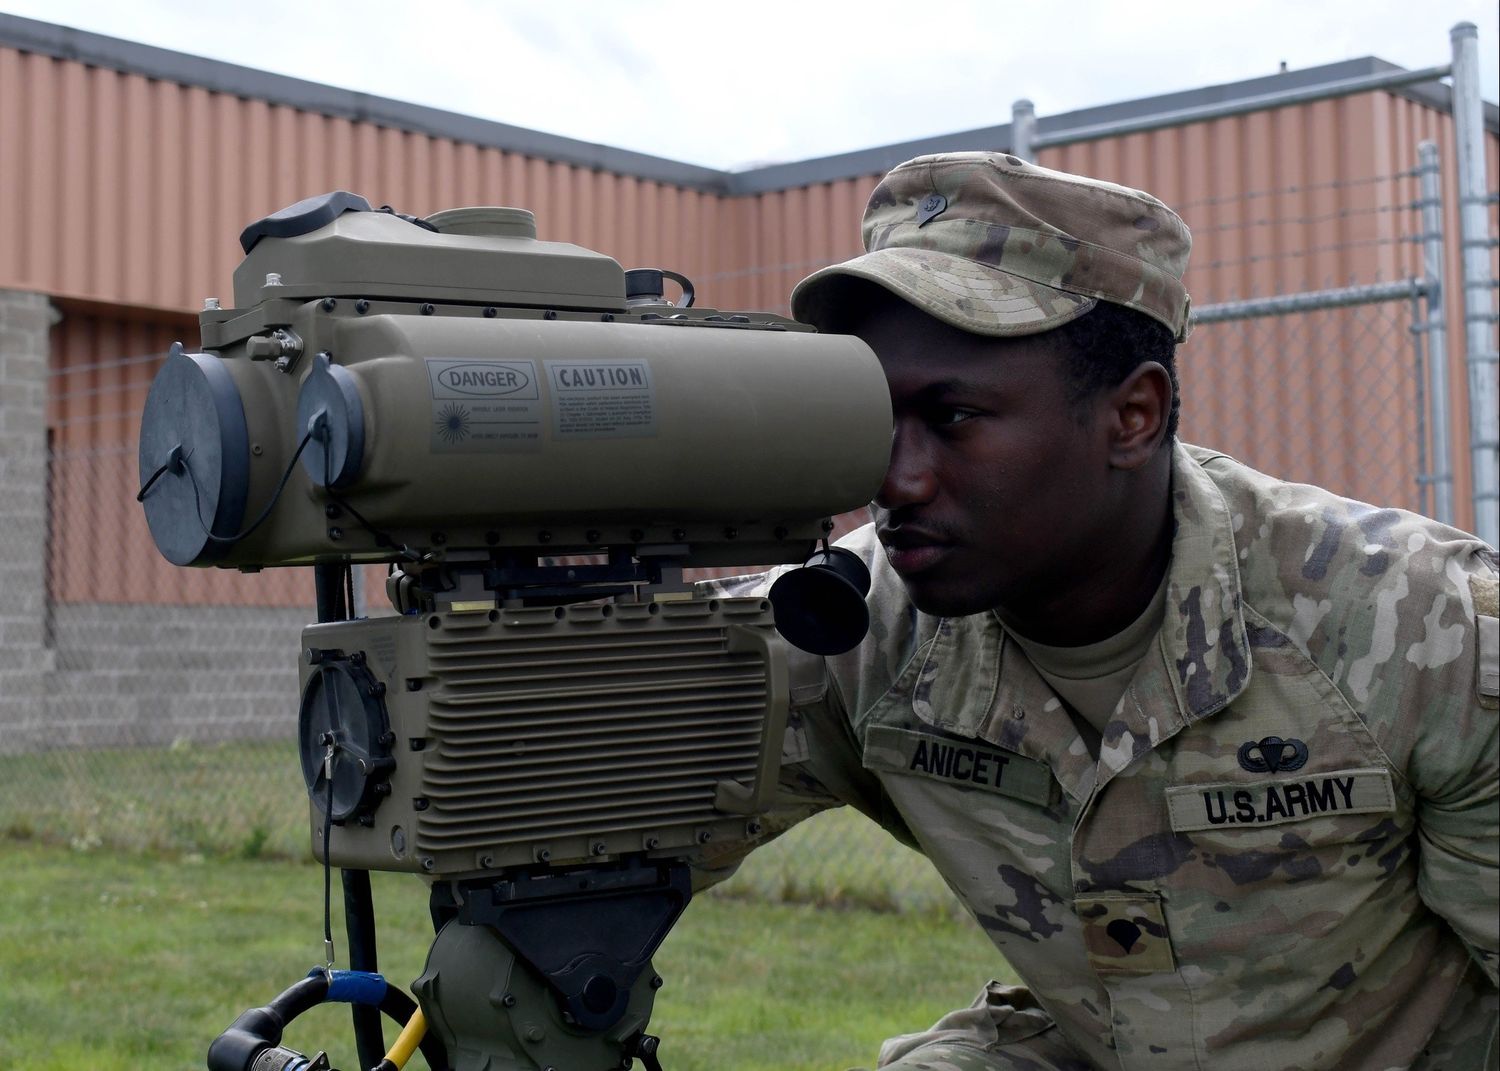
x=735, y=84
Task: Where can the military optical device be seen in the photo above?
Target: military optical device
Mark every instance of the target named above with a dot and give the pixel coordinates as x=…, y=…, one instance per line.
x=550, y=725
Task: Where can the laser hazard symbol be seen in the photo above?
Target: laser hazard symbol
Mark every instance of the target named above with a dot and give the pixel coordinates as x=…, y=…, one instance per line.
x=484, y=406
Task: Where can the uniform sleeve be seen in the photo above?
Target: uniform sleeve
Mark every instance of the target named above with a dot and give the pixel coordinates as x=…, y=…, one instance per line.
x=820, y=758
x=820, y=769
x=1455, y=768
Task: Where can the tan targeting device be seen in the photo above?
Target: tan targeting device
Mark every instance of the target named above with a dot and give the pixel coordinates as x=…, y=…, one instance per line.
x=550, y=723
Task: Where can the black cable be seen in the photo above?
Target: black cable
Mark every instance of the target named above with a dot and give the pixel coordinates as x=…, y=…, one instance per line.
x=328, y=867
x=359, y=923
x=359, y=908
x=174, y=457
x=381, y=539
x=237, y=1048
x=198, y=498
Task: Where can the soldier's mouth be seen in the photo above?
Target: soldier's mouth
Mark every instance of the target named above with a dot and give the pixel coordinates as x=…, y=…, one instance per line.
x=909, y=556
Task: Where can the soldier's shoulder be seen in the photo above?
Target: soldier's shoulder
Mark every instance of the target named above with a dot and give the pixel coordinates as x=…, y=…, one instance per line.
x=1299, y=539
x=1354, y=584
x=897, y=628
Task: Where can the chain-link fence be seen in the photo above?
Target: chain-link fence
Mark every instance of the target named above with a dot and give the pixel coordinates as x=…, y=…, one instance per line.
x=154, y=708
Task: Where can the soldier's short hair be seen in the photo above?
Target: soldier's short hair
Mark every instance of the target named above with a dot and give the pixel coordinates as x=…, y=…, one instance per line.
x=1107, y=343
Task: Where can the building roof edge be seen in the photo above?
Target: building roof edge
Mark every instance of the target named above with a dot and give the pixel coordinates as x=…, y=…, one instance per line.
x=99, y=50
x=113, y=53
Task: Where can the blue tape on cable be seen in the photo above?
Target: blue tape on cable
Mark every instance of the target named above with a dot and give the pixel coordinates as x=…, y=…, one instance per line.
x=356, y=987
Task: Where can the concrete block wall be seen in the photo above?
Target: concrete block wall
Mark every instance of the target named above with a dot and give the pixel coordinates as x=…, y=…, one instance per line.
x=134, y=675
x=112, y=675
x=25, y=657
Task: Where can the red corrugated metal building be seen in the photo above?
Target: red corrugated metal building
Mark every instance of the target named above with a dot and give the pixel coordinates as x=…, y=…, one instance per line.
x=127, y=171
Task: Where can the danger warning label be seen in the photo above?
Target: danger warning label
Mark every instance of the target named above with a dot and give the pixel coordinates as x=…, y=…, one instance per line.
x=483, y=406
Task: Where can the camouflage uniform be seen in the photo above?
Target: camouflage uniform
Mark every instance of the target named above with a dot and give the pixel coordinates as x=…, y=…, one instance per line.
x=1286, y=855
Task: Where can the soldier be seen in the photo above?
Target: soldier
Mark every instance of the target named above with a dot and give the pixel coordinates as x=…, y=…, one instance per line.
x=1211, y=757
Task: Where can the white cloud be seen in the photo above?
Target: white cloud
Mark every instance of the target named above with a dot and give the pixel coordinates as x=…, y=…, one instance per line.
x=726, y=83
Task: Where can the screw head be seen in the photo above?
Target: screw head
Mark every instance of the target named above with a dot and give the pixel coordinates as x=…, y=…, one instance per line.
x=328, y=304
x=361, y=306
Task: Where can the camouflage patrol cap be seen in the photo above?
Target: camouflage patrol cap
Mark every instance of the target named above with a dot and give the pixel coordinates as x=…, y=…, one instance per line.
x=991, y=244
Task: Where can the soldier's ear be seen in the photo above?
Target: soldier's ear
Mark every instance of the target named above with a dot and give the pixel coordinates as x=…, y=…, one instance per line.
x=1137, y=413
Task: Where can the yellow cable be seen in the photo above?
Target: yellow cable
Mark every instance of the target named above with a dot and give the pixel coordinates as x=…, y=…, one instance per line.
x=411, y=1037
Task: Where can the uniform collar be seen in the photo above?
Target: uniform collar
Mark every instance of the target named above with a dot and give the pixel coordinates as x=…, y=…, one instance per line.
x=976, y=682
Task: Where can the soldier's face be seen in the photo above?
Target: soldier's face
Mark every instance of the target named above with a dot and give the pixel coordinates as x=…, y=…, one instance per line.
x=998, y=491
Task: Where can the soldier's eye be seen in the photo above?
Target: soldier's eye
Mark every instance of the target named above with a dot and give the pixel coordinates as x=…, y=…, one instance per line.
x=950, y=415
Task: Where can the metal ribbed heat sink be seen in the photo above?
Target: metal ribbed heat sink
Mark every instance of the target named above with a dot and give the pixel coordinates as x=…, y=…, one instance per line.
x=585, y=725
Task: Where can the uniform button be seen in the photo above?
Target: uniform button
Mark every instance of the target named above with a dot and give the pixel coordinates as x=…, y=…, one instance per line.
x=1019, y=713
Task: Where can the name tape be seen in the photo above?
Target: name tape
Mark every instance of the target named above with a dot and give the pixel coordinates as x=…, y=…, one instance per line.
x=1270, y=803
x=969, y=763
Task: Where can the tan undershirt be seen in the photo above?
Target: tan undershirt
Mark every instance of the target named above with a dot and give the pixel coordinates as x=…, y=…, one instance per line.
x=1092, y=678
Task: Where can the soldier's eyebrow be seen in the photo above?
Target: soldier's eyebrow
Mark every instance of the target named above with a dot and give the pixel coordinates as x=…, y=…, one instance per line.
x=930, y=393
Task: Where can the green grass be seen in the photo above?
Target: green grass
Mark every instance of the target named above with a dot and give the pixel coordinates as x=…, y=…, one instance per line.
x=111, y=961
x=227, y=799
x=247, y=800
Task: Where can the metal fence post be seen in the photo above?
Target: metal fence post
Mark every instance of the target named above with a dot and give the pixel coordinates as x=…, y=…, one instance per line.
x=1479, y=317
x=1023, y=130
x=1436, y=331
